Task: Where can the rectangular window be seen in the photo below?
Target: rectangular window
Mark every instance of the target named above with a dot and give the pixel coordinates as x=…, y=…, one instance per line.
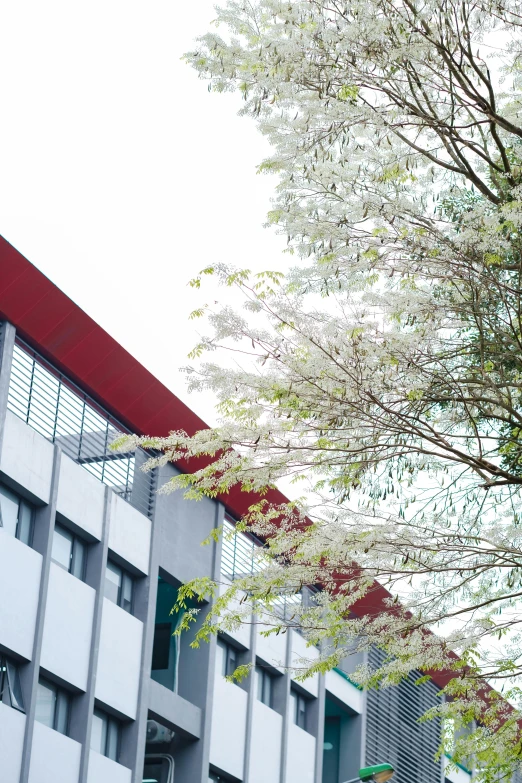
x=229, y=658
x=119, y=586
x=265, y=682
x=52, y=706
x=69, y=551
x=105, y=735
x=161, y=646
x=299, y=709
x=10, y=689
x=16, y=515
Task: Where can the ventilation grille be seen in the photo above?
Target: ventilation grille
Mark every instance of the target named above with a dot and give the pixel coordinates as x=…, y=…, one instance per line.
x=393, y=733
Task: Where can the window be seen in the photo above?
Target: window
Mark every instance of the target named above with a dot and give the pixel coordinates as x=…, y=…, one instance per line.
x=265, y=682
x=52, y=706
x=105, y=735
x=10, y=689
x=229, y=658
x=299, y=708
x=16, y=515
x=119, y=586
x=69, y=552
x=161, y=646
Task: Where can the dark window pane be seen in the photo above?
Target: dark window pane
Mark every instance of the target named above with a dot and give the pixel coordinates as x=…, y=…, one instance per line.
x=99, y=732
x=113, y=577
x=113, y=737
x=45, y=704
x=231, y=665
x=24, y=530
x=222, y=652
x=259, y=683
x=61, y=717
x=15, y=688
x=126, y=593
x=78, y=559
x=267, y=689
x=8, y=510
x=62, y=547
x=161, y=648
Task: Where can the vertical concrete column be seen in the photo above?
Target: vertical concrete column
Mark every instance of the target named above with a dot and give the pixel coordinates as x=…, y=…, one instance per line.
x=251, y=691
x=206, y=727
x=285, y=706
x=42, y=542
x=81, y=719
x=7, y=341
x=133, y=753
x=318, y=719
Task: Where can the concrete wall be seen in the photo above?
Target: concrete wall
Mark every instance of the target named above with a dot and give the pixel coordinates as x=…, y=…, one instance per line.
x=55, y=758
x=27, y=458
x=80, y=497
x=343, y=690
x=117, y=680
x=104, y=770
x=227, y=745
x=299, y=649
x=129, y=534
x=300, y=762
x=67, y=632
x=20, y=570
x=265, y=753
x=12, y=727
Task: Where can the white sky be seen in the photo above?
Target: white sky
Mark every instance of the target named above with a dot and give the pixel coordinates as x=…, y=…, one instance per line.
x=121, y=176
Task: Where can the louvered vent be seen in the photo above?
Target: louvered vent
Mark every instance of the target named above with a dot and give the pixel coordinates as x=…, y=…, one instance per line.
x=393, y=733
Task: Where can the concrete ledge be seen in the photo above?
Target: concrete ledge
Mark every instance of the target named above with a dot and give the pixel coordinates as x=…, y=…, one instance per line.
x=173, y=711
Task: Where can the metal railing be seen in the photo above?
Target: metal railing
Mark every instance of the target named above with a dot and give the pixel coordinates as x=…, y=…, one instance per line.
x=59, y=410
x=238, y=559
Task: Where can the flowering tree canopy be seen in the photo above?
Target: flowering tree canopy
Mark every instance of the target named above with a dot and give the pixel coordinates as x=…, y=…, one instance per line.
x=383, y=370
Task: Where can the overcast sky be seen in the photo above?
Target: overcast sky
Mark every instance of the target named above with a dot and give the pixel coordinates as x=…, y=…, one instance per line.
x=121, y=176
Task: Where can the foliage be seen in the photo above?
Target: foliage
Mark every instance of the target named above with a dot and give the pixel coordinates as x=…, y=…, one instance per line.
x=383, y=372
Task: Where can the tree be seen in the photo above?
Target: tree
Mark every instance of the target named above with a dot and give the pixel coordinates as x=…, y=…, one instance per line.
x=384, y=369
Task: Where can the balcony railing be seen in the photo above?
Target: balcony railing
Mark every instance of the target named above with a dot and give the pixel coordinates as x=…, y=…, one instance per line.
x=239, y=559
x=59, y=410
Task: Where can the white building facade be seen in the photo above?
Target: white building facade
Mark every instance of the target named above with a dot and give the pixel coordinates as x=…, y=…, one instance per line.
x=94, y=688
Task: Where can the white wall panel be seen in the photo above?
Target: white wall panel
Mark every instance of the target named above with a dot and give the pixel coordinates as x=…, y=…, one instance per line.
x=272, y=649
x=265, y=754
x=227, y=740
x=80, y=497
x=241, y=634
x=300, y=650
x=129, y=533
x=300, y=762
x=68, y=627
x=55, y=758
x=27, y=457
x=12, y=727
x=103, y=770
x=339, y=686
x=20, y=569
x=119, y=661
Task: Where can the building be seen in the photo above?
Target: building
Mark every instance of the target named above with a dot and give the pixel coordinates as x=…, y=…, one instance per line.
x=93, y=686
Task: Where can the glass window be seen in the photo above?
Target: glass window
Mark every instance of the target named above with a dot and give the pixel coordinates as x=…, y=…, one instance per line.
x=16, y=515
x=265, y=683
x=10, y=688
x=299, y=708
x=119, y=586
x=105, y=735
x=229, y=658
x=68, y=551
x=161, y=646
x=52, y=706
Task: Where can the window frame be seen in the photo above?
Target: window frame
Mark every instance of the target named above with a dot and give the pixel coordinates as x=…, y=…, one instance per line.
x=298, y=701
x=264, y=683
x=109, y=723
x=77, y=544
x=10, y=687
x=126, y=579
x=23, y=504
x=230, y=653
x=60, y=696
